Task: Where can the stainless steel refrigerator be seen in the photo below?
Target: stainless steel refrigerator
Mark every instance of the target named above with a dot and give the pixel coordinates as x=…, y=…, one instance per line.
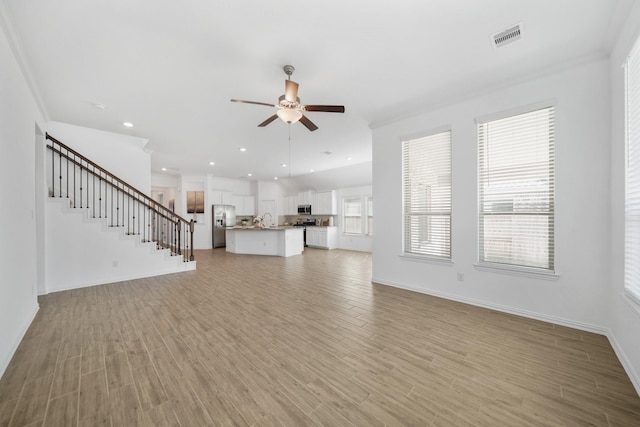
x=223, y=216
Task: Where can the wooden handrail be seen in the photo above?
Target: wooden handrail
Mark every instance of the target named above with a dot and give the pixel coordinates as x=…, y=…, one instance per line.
x=151, y=208
x=91, y=170
x=112, y=176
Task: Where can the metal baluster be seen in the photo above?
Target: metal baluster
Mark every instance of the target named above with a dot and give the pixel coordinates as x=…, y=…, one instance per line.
x=93, y=193
x=67, y=158
x=53, y=171
x=60, y=172
x=81, y=167
x=74, y=180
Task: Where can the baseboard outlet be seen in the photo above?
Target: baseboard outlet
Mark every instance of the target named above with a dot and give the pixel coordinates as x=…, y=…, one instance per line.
x=16, y=344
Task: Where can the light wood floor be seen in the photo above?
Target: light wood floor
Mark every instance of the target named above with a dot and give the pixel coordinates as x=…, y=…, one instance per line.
x=306, y=340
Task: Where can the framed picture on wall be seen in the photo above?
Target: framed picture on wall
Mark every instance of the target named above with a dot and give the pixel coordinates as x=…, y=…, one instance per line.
x=195, y=201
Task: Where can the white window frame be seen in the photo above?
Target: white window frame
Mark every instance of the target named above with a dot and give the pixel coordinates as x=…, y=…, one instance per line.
x=427, y=224
x=632, y=180
x=515, y=266
x=351, y=199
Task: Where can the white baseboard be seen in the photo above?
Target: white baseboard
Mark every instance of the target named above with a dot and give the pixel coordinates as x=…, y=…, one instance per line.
x=188, y=266
x=624, y=360
x=14, y=346
x=601, y=330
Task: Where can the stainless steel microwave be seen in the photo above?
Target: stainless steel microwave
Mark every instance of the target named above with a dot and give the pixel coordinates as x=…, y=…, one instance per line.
x=304, y=209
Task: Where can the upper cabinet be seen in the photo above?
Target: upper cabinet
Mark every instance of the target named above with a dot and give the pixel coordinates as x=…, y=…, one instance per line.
x=245, y=205
x=290, y=205
x=304, y=198
x=324, y=203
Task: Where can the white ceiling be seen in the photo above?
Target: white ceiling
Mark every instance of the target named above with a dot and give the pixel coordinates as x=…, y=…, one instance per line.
x=171, y=68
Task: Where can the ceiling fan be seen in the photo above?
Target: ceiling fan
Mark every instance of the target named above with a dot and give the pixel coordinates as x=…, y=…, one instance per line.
x=290, y=110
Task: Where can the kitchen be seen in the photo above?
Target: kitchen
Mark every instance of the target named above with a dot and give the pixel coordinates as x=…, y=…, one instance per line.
x=295, y=230
x=322, y=227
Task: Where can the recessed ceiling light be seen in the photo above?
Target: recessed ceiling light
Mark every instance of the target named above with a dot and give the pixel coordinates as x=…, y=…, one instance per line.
x=164, y=169
x=283, y=165
x=243, y=149
x=275, y=177
x=349, y=158
x=99, y=106
x=249, y=174
x=328, y=153
x=127, y=124
x=212, y=163
x=310, y=170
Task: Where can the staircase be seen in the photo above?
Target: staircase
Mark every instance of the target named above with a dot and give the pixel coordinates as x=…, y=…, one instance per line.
x=101, y=229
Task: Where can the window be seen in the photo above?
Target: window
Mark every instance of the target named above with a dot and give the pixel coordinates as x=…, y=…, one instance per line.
x=516, y=190
x=352, y=211
x=369, y=230
x=426, y=164
x=632, y=176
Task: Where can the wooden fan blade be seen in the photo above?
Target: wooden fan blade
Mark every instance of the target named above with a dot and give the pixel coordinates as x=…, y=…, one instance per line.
x=290, y=90
x=308, y=123
x=269, y=120
x=325, y=108
x=252, y=102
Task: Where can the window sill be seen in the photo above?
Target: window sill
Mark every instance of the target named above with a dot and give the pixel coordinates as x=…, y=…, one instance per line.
x=517, y=271
x=418, y=258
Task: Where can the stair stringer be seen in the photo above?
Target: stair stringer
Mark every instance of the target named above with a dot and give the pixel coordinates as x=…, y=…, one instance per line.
x=83, y=251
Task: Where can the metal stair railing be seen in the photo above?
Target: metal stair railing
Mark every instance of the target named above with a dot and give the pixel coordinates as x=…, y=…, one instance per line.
x=89, y=186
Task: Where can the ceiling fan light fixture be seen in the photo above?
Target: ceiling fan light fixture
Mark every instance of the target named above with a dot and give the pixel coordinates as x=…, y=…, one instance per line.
x=289, y=115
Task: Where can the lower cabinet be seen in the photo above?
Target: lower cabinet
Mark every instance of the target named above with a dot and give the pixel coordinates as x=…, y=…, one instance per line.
x=322, y=237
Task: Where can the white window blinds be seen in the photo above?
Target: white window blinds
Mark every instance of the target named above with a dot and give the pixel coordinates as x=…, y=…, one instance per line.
x=427, y=196
x=632, y=176
x=352, y=211
x=516, y=190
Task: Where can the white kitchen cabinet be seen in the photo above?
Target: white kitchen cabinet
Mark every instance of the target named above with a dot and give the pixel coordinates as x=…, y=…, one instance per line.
x=217, y=197
x=290, y=205
x=304, y=198
x=322, y=237
x=245, y=205
x=324, y=203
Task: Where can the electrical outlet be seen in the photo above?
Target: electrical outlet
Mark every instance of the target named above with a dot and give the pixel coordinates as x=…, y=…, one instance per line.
x=460, y=277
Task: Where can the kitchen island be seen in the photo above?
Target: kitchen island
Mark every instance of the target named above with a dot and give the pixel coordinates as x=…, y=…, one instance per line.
x=275, y=241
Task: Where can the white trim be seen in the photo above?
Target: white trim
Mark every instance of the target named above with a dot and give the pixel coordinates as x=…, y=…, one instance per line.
x=624, y=361
x=596, y=329
x=517, y=271
x=5, y=363
x=421, y=258
x=183, y=268
x=516, y=111
x=425, y=133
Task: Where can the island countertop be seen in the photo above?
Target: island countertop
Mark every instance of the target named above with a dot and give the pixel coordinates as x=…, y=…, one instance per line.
x=275, y=241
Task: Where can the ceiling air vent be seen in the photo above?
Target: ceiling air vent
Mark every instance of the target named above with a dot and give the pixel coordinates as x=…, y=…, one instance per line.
x=510, y=35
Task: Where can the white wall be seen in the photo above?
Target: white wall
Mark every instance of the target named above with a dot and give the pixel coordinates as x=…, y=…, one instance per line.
x=353, y=242
x=71, y=263
x=578, y=297
x=625, y=322
x=19, y=117
x=122, y=155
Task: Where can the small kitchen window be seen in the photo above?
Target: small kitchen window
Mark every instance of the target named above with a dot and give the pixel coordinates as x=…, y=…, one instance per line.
x=352, y=215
